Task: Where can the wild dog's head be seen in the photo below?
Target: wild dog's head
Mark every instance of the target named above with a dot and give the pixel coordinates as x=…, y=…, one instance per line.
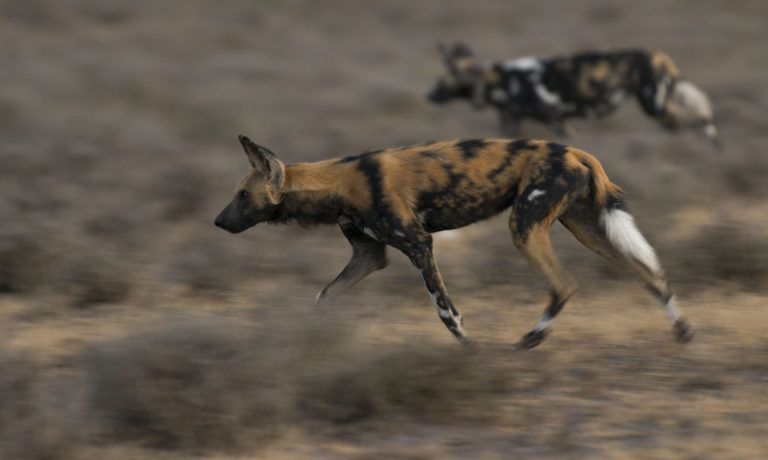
x=465, y=79
x=257, y=197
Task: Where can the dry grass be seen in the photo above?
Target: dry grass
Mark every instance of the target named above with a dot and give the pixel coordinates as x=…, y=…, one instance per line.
x=355, y=384
x=211, y=384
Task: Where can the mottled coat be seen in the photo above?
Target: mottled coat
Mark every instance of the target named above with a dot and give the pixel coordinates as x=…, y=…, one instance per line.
x=590, y=84
x=398, y=197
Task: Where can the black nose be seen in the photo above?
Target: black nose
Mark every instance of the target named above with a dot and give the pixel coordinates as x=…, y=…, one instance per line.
x=218, y=222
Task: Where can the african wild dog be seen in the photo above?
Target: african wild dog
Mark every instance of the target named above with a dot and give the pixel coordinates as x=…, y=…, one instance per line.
x=552, y=90
x=398, y=196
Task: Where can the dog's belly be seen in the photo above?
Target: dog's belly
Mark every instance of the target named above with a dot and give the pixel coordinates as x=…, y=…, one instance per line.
x=456, y=212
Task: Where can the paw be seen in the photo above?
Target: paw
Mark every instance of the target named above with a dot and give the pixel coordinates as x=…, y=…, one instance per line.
x=532, y=339
x=683, y=331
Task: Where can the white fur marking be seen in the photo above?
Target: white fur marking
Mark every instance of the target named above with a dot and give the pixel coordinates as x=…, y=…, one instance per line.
x=399, y=233
x=370, y=233
x=671, y=310
x=661, y=93
x=448, y=234
x=433, y=298
x=499, y=95
x=444, y=312
x=543, y=324
x=546, y=95
x=622, y=232
x=524, y=63
x=535, y=193
x=690, y=102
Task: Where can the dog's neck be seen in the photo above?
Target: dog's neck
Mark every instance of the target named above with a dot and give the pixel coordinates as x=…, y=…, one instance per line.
x=308, y=195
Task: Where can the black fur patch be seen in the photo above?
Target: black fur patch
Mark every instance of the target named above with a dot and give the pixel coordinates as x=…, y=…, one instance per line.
x=360, y=156
x=308, y=214
x=444, y=209
x=557, y=182
x=513, y=149
x=556, y=149
x=555, y=305
x=369, y=166
x=471, y=147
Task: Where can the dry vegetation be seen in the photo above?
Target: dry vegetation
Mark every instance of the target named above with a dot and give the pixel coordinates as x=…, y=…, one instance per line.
x=131, y=328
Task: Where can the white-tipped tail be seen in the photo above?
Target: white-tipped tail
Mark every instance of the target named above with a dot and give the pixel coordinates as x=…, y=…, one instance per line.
x=624, y=235
x=690, y=104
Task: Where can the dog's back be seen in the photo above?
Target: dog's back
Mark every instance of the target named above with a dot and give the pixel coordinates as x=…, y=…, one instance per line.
x=446, y=185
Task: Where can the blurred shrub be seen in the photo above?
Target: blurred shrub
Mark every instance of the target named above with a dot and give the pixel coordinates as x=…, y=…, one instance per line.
x=179, y=189
x=747, y=177
x=31, y=412
x=208, y=264
x=34, y=12
x=200, y=386
x=88, y=271
x=428, y=382
x=211, y=262
x=22, y=263
x=722, y=253
x=186, y=386
x=93, y=275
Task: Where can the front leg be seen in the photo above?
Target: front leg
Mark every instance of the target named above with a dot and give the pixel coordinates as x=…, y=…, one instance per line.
x=368, y=255
x=420, y=254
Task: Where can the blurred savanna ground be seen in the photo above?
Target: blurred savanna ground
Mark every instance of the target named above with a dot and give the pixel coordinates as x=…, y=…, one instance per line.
x=130, y=327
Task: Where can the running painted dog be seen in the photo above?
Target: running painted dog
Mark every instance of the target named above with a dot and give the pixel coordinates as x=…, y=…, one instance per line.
x=398, y=197
x=552, y=90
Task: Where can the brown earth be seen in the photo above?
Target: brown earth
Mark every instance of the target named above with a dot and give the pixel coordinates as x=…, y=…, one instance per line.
x=130, y=327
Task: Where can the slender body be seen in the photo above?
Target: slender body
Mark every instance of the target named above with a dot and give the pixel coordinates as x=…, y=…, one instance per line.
x=398, y=197
x=589, y=84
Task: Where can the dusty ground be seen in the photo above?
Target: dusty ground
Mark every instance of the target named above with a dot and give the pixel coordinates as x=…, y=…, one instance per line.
x=131, y=328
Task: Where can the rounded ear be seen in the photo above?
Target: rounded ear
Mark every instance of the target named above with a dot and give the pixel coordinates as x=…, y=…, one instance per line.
x=262, y=159
x=276, y=172
x=449, y=58
x=251, y=151
x=452, y=56
x=461, y=50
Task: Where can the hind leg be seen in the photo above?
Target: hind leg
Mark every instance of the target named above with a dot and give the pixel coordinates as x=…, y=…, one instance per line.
x=612, y=233
x=537, y=248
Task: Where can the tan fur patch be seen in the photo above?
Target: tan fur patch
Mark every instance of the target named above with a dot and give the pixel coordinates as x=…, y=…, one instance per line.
x=663, y=64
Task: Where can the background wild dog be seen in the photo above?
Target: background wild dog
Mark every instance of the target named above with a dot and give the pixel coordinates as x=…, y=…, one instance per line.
x=397, y=197
x=551, y=90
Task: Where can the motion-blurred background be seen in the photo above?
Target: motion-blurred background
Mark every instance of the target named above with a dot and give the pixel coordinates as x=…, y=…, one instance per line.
x=130, y=327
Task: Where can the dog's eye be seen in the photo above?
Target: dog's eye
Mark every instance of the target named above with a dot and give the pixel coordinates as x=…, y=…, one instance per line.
x=243, y=194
